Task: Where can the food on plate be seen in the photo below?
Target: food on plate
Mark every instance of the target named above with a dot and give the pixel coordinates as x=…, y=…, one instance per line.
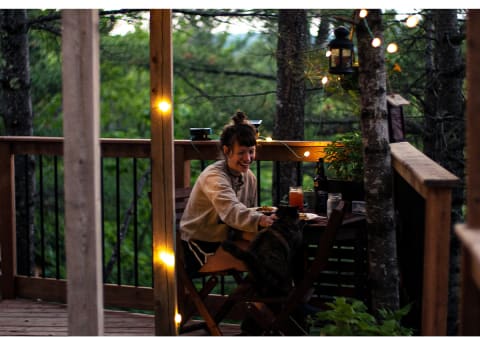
x=308, y=216
x=303, y=216
x=266, y=209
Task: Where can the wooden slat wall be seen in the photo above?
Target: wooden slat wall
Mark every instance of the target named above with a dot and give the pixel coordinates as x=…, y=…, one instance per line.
x=346, y=272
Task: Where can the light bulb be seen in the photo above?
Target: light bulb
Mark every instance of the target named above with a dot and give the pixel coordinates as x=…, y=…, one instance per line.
x=363, y=13
x=167, y=258
x=306, y=154
x=328, y=53
x=392, y=48
x=324, y=80
x=376, y=42
x=164, y=106
x=178, y=318
x=412, y=21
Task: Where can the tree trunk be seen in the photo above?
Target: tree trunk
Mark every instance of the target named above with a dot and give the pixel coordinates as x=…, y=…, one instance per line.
x=382, y=246
x=289, y=117
x=17, y=114
x=445, y=127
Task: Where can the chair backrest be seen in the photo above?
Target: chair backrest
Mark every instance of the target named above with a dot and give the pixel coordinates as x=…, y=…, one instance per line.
x=323, y=252
x=181, y=199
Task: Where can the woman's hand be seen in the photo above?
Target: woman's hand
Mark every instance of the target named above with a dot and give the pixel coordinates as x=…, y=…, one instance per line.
x=266, y=221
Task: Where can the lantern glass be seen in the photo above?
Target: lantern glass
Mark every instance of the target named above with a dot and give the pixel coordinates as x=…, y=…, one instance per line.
x=341, y=59
x=334, y=58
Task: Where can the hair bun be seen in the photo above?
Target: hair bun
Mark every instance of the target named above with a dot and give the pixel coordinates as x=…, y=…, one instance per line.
x=239, y=117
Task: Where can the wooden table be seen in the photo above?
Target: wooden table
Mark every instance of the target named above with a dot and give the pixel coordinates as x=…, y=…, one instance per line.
x=352, y=223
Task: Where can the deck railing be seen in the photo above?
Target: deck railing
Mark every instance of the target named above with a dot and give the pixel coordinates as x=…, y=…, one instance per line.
x=126, y=209
x=127, y=161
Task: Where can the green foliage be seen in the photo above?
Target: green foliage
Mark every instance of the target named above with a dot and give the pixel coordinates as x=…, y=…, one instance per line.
x=351, y=318
x=344, y=157
x=218, y=73
x=46, y=80
x=125, y=90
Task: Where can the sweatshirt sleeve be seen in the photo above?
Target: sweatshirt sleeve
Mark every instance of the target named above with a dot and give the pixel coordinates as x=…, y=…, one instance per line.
x=229, y=208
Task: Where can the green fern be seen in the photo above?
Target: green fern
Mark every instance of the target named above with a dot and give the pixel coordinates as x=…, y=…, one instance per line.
x=351, y=318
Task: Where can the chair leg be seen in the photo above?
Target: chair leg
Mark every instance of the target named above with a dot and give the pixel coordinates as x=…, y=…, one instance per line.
x=262, y=315
x=189, y=307
x=209, y=321
x=240, y=293
x=198, y=300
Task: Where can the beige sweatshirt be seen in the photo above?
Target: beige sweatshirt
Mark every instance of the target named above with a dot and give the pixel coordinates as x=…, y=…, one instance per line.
x=219, y=200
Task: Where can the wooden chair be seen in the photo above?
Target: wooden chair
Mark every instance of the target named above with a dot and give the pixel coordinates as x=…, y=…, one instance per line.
x=275, y=316
x=192, y=300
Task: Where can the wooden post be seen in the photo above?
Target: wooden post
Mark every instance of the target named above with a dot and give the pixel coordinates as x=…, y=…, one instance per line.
x=162, y=155
x=81, y=104
x=434, y=183
x=469, y=310
x=435, y=266
x=8, y=245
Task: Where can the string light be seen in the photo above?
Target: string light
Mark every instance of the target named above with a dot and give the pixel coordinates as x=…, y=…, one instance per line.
x=167, y=258
x=412, y=21
x=392, y=48
x=363, y=13
x=164, y=106
x=328, y=53
x=376, y=42
x=324, y=80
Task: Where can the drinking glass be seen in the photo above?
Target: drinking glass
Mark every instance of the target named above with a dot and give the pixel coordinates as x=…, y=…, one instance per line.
x=332, y=202
x=295, y=197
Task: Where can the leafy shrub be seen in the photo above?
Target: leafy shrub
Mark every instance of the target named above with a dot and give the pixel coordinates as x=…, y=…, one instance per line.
x=344, y=157
x=351, y=318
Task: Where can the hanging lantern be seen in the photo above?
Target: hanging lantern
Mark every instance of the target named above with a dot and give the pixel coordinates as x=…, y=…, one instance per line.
x=340, y=60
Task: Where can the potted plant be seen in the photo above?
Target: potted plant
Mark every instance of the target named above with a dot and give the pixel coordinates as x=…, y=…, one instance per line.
x=344, y=166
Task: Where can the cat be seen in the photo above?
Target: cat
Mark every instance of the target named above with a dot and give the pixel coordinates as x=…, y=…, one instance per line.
x=271, y=254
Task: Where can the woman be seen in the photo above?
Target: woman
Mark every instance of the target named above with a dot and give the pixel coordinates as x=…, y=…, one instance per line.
x=221, y=196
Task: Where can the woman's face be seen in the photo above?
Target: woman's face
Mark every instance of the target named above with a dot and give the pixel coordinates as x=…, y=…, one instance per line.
x=239, y=157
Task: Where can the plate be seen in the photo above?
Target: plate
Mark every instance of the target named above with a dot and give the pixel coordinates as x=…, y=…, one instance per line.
x=309, y=216
x=265, y=209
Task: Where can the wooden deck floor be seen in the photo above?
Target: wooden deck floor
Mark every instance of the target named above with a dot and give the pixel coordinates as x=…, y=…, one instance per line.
x=21, y=317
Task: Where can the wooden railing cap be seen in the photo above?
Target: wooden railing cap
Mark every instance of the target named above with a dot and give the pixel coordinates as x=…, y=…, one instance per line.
x=409, y=160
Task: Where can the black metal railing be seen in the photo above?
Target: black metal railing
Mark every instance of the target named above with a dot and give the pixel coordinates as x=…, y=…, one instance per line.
x=124, y=241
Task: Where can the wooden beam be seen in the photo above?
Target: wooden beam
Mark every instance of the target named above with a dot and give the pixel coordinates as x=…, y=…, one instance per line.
x=470, y=238
x=436, y=262
x=8, y=252
x=472, y=121
x=81, y=106
x=434, y=183
x=162, y=155
x=469, y=310
x=421, y=172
